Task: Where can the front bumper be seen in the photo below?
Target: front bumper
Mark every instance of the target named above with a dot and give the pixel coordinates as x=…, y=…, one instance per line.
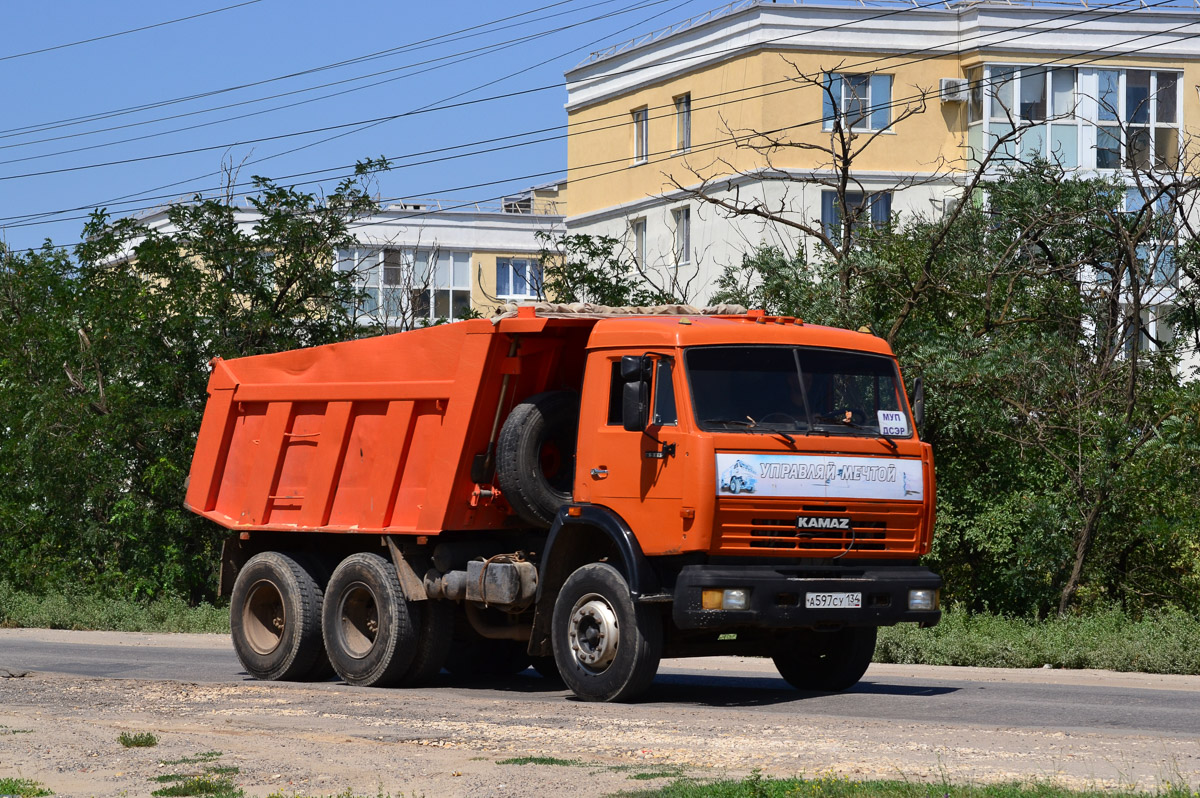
x=777, y=596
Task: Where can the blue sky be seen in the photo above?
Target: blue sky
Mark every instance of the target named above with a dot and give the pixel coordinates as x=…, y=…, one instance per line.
x=63, y=98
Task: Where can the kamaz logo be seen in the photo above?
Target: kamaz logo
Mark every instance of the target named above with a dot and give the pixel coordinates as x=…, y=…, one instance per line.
x=821, y=522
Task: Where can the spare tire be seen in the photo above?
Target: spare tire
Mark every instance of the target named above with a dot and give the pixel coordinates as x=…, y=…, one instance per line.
x=535, y=455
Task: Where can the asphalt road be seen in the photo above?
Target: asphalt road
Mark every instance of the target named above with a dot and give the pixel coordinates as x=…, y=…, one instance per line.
x=1087, y=701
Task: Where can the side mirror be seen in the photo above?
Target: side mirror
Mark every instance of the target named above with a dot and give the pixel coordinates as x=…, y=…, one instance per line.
x=919, y=405
x=635, y=393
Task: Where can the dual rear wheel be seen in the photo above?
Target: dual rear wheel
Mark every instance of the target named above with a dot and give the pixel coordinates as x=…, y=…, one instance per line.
x=360, y=626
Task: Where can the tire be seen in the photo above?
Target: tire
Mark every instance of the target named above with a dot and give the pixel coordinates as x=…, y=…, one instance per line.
x=275, y=618
x=370, y=629
x=320, y=570
x=433, y=643
x=826, y=661
x=606, y=647
x=735, y=485
x=535, y=456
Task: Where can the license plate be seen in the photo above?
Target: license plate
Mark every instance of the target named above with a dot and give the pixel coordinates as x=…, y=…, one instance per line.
x=832, y=601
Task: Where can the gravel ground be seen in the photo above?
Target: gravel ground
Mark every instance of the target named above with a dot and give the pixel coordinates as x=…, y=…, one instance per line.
x=321, y=739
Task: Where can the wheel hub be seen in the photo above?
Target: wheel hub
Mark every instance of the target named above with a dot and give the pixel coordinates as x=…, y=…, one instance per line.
x=594, y=633
x=359, y=617
x=263, y=617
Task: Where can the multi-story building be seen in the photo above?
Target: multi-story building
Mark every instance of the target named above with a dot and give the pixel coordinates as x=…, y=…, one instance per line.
x=419, y=262
x=926, y=88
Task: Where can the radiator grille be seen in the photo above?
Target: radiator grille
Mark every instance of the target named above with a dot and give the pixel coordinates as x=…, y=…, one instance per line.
x=765, y=526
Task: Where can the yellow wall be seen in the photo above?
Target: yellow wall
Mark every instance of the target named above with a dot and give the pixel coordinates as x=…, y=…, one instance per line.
x=749, y=93
x=483, y=278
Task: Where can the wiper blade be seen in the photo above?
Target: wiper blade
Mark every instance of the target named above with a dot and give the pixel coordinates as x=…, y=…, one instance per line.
x=750, y=425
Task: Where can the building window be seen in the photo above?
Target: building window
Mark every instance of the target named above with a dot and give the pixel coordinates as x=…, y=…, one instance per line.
x=683, y=122
x=641, y=135
x=861, y=102
x=518, y=278
x=365, y=265
x=1078, y=117
x=637, y=229
x=442, y=289
x=1043, y=103
x=1137, y=112
x=683, y=234
x=402, y=287
x=873, y=208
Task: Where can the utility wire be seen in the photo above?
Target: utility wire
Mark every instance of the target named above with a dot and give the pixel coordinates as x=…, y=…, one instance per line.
x=360, y=123
x=450, y=59
x=429, y=108
x=792, y=81
x=622, y=164
x=126, y=32
x=419, y=44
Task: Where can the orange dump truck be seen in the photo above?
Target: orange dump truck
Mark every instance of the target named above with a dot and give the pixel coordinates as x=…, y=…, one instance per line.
x=586, y=493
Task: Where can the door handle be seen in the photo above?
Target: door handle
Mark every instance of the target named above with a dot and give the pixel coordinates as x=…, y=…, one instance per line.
x=600, y=473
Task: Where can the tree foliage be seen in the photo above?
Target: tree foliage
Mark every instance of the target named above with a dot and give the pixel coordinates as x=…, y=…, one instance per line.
x=103, y=367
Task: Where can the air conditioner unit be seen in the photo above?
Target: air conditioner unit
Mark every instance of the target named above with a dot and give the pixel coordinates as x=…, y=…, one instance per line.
x=954, y=90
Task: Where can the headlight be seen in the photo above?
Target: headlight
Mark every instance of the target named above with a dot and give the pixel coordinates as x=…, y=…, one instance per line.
x=922, y=599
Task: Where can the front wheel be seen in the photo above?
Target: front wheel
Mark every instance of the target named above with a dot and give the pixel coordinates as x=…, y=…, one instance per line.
x=826, y=661
x=607, y=648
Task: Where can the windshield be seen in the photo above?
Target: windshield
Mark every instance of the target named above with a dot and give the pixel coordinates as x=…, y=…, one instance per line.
x=795, y=389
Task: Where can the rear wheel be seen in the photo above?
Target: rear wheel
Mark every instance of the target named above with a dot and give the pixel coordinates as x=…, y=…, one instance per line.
x=607, y=648
x=826, y=661
x=275, y=618
x=371, y=630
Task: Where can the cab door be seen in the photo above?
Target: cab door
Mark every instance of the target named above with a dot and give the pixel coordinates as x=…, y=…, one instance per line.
x=638, y=475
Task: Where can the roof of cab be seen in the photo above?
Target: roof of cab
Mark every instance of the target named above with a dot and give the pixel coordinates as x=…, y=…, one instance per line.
x=752, y=328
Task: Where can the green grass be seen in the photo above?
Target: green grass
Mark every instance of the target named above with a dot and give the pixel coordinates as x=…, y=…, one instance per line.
x=207, y=756
x=836, y=787
x=543, y=760
x=218, y=786
x=82, y=610
x=22, y=787
x=1167, y=641
x=138, y=740
x=213, y=781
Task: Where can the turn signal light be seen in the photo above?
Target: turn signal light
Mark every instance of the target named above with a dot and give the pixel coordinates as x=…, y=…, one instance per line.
x=729, y=599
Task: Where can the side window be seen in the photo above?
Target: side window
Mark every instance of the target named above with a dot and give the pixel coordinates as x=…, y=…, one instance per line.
x=664, y=396
x=615, y=387
x=663, y=412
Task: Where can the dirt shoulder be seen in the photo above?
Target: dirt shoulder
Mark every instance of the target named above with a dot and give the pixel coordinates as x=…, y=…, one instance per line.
x=321, y=739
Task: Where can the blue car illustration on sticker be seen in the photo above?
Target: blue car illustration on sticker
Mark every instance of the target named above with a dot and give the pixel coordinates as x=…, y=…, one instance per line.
x=738, y=478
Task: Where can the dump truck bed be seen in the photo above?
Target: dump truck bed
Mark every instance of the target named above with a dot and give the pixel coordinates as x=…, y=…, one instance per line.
x=375, y=435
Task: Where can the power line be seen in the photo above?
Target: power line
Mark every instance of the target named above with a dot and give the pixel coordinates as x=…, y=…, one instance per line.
x=1124, y=9
x=668, y=154
x=369, y=123
x=363, y=122
x=126, y=32
x=457, y=35
x=489, y=50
